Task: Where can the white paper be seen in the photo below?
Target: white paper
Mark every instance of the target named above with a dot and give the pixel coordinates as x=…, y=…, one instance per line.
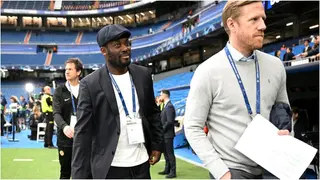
x=73, y=121
x=283, y=156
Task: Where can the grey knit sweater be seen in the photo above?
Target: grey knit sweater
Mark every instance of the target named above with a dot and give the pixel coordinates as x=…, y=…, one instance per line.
x=215, y=97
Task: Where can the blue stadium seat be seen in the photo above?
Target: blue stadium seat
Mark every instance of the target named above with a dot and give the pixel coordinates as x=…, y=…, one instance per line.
x=23, y=59
x=59, y=59
x=212, y=11
x=139, y=31
x=18, y=48
x=38, y=5
x=53, y=37
x=13, y=36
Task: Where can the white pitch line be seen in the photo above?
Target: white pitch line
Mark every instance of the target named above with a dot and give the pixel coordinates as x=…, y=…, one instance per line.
x=189, y=161
x=22, y=159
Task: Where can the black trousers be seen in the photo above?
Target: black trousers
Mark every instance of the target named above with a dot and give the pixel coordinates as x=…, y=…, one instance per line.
x=3, y=121
x=141, y=171
x=49, y=129
x=65, y=157
x=170, y=167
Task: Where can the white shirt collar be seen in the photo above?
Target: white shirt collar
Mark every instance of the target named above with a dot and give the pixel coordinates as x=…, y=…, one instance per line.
x=236, y=55
x=166, y=102
x=67, y=85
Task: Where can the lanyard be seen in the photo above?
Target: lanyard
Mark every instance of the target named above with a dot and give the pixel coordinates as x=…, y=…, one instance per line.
x=121, y=96
x=235, y=70
x=72, y=100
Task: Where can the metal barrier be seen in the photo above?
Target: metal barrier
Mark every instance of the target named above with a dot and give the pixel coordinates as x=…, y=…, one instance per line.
x=300, y=61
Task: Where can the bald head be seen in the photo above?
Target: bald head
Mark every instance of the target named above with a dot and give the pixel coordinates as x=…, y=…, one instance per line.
x=47, y=90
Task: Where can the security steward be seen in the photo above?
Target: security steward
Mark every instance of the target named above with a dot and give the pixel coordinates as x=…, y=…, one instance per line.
x=46, y=107
x=65, y=101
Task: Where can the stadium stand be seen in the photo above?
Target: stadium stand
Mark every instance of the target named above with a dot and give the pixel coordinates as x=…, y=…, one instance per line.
x=53, y=37
x=18, y=48
x=59, y=59
x=23, y=59
x=12, y=36
x=36, y=5
x=87, y=5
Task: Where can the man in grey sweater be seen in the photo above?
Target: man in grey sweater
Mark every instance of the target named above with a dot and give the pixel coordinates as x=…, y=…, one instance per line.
x=229, y=89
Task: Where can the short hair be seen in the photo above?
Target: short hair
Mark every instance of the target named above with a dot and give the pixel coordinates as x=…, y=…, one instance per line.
x=77, y=62
x=307, y=41
x=232, y=10
x=290, y=49
x=167, y=92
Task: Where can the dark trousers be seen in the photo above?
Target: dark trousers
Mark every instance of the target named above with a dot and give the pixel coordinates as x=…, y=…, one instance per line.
x=33, y=135
x=65, y=156
x=49, y=129
x=3, y=121
x=170, y=167
x=239, y=174
x=141, y=171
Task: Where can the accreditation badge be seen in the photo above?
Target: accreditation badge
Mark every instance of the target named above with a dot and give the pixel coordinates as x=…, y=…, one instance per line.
x=135, y=131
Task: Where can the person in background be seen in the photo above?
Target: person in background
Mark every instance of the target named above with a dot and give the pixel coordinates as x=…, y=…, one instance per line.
x=225, y=93
x=35, y=117
x=314, y=50
x=306, y=46
x=14, y=110
x=288, y=56
x=2, y=111
x=65, y=100
x=46, y=107
x=22, y=112
x=277, y=53
x=168, y=116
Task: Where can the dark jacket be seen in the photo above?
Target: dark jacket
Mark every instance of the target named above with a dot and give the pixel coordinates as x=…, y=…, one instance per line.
x=168, y=116
x=34, y=122
x=288, y=56
x=62, y=111
x=313, y=51
x=280, y=116
x=301, y=125
x=97, y=130
x=306, y=50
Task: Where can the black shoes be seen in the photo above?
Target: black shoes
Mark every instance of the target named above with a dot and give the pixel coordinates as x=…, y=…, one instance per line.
x=169, y=176
x=163, y=173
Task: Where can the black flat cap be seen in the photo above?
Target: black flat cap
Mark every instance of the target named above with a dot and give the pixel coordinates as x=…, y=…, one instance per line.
x=111, y=32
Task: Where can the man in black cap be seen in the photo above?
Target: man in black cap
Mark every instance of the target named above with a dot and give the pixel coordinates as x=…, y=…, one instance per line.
x=118, y=128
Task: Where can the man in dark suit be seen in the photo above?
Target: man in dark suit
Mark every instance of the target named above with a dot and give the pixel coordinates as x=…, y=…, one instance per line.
x=168, y=116
x=288, y=56
x=118, y=132
x=306, y=46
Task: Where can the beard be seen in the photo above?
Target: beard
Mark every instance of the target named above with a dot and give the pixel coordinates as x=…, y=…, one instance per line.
x=117, y=61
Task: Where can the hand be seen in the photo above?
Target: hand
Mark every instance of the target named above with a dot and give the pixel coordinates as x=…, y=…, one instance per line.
x=304, y=54
x=226, y=175
x=68, y=131
x=283, y=132
x=154, y=157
